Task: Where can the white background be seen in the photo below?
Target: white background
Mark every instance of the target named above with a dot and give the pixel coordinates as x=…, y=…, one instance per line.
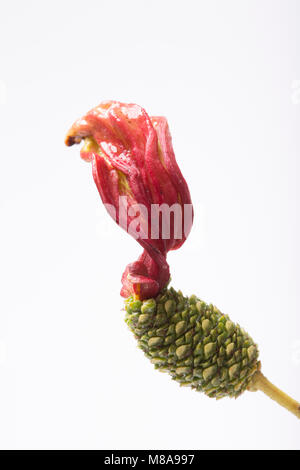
x=227, y=76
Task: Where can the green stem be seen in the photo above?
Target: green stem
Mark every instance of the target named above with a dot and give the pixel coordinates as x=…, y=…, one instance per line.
x=260, y=382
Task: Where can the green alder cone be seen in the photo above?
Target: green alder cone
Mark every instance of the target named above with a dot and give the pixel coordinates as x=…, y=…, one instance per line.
x=194, y=342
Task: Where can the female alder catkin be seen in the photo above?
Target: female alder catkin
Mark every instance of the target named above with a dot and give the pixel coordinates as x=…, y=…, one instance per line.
x=132, y=157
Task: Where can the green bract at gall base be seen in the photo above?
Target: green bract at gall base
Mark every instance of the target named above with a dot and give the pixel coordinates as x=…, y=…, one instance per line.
x=194, y=342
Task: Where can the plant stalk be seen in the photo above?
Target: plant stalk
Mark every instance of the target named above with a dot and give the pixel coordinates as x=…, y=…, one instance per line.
x=260, y=382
